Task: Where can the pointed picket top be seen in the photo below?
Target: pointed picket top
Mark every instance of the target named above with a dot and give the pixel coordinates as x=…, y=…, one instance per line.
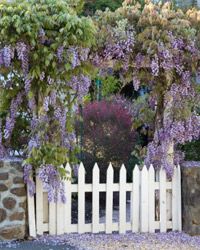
x=123, y=169
x=144, y=171
x=68, y=172
x=151, y=168
x=136, y=169
x=81, y=169
x=68, y=168
x=110, y=173
x=123, y=173
x=96, y=168
x=110, y=168
x=95, y=173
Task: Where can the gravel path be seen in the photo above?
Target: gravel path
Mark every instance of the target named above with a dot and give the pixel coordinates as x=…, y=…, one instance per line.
x=129, y=241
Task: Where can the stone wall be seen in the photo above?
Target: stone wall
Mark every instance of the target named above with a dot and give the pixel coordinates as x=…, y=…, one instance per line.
x=12, y=200
x=191, y=197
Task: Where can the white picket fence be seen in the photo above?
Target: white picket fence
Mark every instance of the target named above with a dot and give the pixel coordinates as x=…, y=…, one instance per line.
x=56, y=218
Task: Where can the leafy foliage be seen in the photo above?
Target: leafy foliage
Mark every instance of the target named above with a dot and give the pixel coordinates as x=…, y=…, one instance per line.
x=92, y=6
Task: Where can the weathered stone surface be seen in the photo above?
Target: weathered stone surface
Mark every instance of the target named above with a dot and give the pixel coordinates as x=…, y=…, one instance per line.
x=18, y=180
x=17, y=216
x=4, y=176
x=3, y=188
x=191, y=198
x=18, y=191
x=14, y=232
x=3, y=214
x=13, y=201
x=23, y=205
x=9, y=203
x=16, y=165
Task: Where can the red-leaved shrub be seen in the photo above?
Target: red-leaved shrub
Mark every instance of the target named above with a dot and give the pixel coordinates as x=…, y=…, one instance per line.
x=107, y=137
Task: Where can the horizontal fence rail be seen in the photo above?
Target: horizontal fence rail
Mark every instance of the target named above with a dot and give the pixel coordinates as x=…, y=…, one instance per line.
x=154, y=203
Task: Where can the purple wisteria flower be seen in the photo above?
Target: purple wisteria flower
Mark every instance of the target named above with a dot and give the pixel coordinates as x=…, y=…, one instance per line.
x=52, y=183
x=155, y=66
x=11, y=118
x=23, y=54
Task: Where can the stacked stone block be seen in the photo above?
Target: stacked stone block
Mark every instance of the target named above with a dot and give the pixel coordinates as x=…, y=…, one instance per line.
x=191, y=197
x=12, y=200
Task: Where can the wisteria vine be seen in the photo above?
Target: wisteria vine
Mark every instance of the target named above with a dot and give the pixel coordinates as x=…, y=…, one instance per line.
x=44, y=76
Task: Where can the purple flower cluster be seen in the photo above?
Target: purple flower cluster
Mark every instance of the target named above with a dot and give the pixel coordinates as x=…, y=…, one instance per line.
x=60, y=51
x=10, y=120
x=52, y=183
x=6, y=55
x=72, y=55
x=136, y=83
x=60, y=114
x=172, y=132
x=23, y=54
x=155, y=66
x=121, y=48
x=80, y=85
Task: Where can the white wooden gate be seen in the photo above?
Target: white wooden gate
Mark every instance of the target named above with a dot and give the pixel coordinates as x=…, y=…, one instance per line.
x=155, y=203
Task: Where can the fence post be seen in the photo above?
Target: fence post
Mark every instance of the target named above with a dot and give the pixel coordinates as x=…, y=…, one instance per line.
x=109, y=199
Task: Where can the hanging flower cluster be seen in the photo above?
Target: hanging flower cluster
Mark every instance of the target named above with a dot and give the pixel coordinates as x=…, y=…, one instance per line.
x=44, y=76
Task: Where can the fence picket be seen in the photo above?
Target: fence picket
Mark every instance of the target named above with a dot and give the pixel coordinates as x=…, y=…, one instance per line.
x=174, y=200
x=151, y=199
x=59, y=216
x=39, y=206
x=144, y=200
x=81, y=198
x=31, y=213
x=179, y=216
x=122, y=201
x=95, y=199
x=163, y=208
x=135, y=202
x=68, y=204
x=109, y=199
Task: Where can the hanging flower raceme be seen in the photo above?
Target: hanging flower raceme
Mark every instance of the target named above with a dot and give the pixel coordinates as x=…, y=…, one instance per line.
x=51, y=183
